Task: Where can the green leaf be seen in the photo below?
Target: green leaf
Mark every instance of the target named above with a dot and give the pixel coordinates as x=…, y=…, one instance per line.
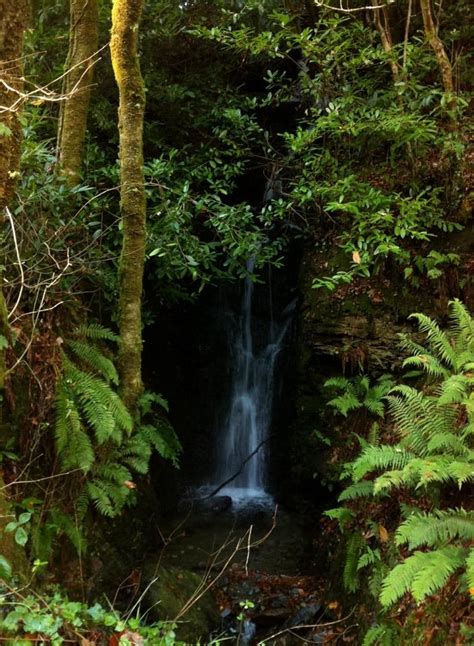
x=5, y=130
x=11, y=526
x=23, y=518
x=21, y=537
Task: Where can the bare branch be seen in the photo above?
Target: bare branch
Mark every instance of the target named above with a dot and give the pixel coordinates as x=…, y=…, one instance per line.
x=342, y=9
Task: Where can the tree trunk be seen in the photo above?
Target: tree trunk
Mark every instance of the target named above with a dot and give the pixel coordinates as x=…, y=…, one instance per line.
x=437, y=46
x=14, y=16
x=83, y=43
x=124, y=43
x=383, y=27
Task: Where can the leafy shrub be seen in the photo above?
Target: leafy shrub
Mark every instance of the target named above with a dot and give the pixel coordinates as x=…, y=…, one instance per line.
x=54, y=619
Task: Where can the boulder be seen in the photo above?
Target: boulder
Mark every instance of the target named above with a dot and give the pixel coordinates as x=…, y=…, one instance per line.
x=169, y=589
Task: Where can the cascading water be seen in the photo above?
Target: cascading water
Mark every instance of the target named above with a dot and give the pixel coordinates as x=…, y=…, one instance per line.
x=244, y=432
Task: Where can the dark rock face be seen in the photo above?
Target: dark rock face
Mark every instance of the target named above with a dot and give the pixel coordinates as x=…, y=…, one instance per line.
x=353, y=328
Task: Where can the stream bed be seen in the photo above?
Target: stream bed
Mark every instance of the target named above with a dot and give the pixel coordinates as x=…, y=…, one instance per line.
x=250, y=560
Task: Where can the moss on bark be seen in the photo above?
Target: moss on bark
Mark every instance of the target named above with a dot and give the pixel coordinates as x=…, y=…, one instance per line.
x=436, y=44
x=124, y=49
x=14, y=16
x=83, y=44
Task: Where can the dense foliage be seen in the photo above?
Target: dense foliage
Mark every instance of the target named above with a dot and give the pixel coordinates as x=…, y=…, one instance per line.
x=272, y=129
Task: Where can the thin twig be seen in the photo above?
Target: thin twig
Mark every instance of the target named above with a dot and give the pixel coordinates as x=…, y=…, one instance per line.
x=237, y=473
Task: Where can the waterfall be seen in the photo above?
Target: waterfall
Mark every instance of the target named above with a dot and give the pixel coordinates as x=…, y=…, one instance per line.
x=244, y=430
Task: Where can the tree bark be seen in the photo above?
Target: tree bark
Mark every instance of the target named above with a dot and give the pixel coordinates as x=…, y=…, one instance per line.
x=83, y=43
x=383, y=27
x=126, y=16
x=436, y=43
x=14, y=17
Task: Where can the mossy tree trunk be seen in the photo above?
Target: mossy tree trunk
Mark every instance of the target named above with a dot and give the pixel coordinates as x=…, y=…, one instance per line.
x=14, y=16
x=436, y=44
x=126, y=16
x=83, y=43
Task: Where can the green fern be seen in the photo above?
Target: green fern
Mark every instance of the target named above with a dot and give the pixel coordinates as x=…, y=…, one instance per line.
x=354, y=547
x=95, y=432
x=359, y=393
x=433, y=451
x=422, y=574
x=343, y=515
x=435, y=529
x=370, y=557
x=95, y=359
x=96, y=332
x=380, y=636
x=470, y=571
x=357, y=490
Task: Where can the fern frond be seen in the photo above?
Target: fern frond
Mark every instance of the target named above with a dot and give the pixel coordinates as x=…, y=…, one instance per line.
x=454, y=390
x=96, y=332
x=463, y=325
x=437, y=339
x=470, y=569
x=436, y=528
x=426, y=362
x=107, y=497
x=113, y=471
x=64, y=523
x=368, y=558
x=388, y=481
x=461, y=471
x=355, y=544
x=422, y=574
x=345, y=403
x=163, y=439
x=337, y=382
x=379, y=636
x=447, y=442
x=357, y=490
x=343, y=515
x=95, y=360
x=72, y=442
x=375, y=458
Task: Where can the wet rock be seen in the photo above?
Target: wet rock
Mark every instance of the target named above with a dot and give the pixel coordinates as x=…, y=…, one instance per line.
x=304, y=616
x=214, y=505
x=249, y=630
x=279, y=601
x=169, y=590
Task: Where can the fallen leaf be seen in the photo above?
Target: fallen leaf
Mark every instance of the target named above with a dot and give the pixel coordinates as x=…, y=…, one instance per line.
x=383, y=534
x=129, y=484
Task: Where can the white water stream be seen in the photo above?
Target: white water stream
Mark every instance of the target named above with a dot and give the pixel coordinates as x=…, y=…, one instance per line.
x=246, y=427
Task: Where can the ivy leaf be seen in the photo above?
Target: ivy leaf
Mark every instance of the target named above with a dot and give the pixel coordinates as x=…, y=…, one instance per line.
x=24, y=518
x=21, y=537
